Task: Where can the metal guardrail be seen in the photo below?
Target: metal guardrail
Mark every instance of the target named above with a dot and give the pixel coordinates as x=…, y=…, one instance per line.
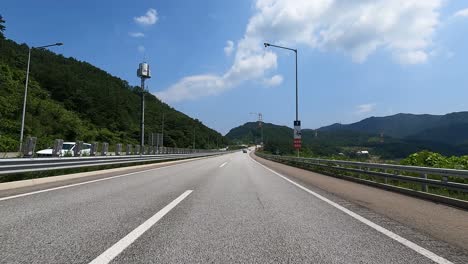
x=21, y=165
x=423, y=176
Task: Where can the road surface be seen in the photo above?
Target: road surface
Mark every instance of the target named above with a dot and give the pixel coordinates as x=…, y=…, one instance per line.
x=225, y=209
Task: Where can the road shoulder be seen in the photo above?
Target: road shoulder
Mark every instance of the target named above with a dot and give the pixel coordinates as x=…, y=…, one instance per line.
x=32, y=185
x=438, y=221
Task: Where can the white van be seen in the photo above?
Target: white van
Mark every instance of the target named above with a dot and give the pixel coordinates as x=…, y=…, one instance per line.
x=67, y=150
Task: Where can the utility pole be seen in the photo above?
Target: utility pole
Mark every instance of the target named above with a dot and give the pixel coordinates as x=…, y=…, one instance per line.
x=162, y=131
x=193, y=147
x=144, y=73
x=260, y=125
x=297, y=122
x=26, y=90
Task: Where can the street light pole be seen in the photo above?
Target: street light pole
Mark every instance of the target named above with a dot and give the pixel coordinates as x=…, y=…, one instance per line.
x=297, y=94
x=26, y=90
x=297, y=122
x=24, y=101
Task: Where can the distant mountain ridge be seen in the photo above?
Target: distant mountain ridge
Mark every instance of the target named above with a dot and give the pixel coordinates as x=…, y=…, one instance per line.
x=403, y=134
x=403, y=125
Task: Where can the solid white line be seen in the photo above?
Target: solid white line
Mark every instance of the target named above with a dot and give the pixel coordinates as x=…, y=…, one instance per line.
x=82, y=183
x=430, y=255
x=222, y=165
x=123, y=243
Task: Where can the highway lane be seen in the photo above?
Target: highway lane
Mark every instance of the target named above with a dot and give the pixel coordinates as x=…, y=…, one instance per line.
x=232, y=210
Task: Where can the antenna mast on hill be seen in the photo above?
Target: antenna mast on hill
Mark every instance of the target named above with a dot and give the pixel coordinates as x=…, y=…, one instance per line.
x=144, y=73
x=260, y=125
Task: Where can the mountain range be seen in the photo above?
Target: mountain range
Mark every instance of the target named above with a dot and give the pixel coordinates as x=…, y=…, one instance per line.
x=393, y=136
x=407, y=125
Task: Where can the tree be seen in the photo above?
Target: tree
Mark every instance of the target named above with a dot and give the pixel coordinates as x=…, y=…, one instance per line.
x=2, y=26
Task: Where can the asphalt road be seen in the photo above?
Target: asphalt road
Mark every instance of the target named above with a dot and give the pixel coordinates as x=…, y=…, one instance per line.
x=225, y=209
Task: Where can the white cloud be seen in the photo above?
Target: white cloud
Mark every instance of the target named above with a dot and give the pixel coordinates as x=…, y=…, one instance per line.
x=365, y=108
x=414, y=57
x=273, y=81
x=358, y=28
x=141, y=48
x=150, y=18
x=461, y=13
x=192, y=87
x=229, y=48
x=404, y=28
x=136, y=34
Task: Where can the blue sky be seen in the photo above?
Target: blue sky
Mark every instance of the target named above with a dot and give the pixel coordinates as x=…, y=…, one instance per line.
x=356, y=58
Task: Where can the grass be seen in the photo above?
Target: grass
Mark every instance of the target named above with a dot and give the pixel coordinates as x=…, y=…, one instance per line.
x=394, y=182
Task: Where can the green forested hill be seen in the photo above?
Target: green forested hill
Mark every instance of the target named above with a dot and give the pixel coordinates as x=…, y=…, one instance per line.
x=453, y=134
x=278, y=139
x=275, y=137
x=74, y=100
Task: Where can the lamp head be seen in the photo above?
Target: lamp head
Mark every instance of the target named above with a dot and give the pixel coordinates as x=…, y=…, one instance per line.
x=266, y=44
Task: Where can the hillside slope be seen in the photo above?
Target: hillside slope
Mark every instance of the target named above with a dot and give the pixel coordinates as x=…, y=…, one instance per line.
x=453, y=134
x=74, y=100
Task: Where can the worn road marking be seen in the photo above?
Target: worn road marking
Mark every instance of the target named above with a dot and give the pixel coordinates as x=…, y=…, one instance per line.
x=430, y=255
x=123, y=243
x=222, y=165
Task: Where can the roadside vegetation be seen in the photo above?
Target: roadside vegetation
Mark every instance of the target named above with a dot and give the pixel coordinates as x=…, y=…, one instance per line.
x=423, y=159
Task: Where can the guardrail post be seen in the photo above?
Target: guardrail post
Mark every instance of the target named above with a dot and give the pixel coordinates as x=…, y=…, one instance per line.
x=28, y=148
x=129, y=149
x=57, y=150
x=105, y=149
x=94, y=149
x=424, y=185
x=444, y=179
x=78, y=148
x=137, y=150
x=118, y=149
x=386, y=178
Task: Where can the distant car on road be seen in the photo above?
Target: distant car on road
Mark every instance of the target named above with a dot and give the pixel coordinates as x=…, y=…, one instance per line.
x=67, y=150
x=244, y=151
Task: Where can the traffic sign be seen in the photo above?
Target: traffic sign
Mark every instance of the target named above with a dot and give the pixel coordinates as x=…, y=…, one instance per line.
x=297, y=130
x=297, y=143
x=297, y=134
